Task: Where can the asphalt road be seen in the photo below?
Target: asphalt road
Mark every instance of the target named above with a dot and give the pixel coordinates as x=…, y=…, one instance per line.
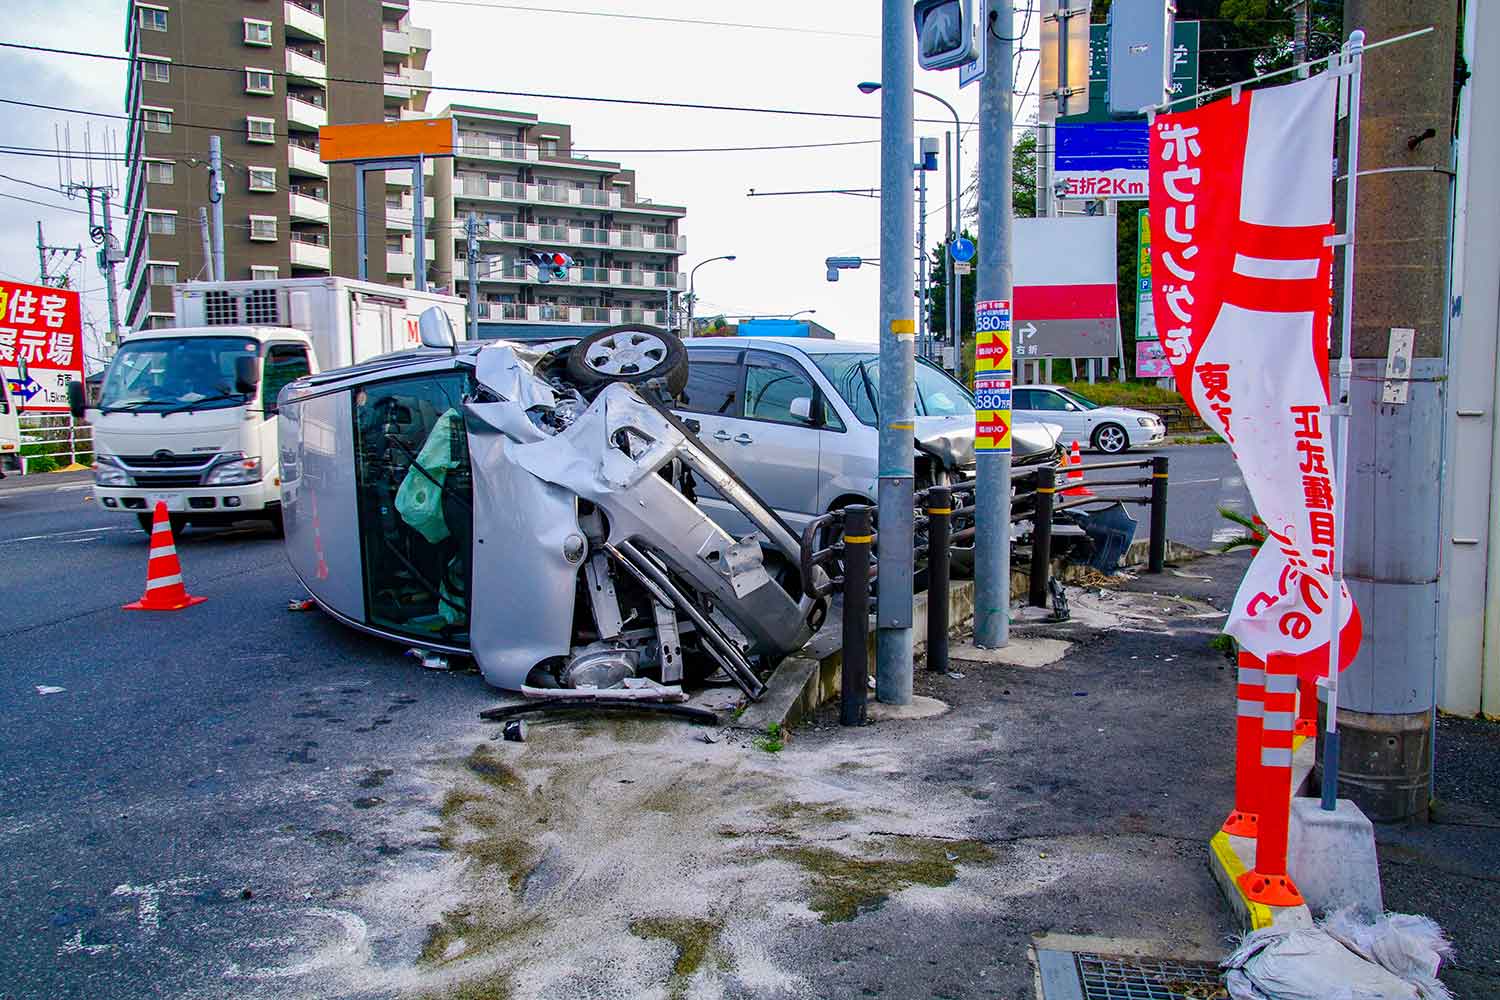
x=186, y=799
x=1202, y=478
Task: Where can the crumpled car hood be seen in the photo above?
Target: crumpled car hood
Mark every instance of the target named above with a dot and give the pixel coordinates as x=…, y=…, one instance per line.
x=951, y=439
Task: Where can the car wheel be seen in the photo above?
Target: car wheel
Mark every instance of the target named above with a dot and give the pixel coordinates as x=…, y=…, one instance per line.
x=1111, y=439
x=633, y=353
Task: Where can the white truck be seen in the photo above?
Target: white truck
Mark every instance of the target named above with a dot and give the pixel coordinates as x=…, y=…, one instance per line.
x=187, y=415
x=10, y=424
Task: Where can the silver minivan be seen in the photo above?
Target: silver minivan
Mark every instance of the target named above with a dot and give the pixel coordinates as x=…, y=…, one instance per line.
x=796, y=420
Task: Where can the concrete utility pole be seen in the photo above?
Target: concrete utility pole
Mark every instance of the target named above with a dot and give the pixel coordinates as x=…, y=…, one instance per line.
x=44, y=253
x=208, y=243
x=471, y=253
x=216, y=199
x=1394, y=544
x=893, y=639
x=992, y=504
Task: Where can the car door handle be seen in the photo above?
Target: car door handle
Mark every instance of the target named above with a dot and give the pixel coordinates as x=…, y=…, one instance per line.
x=721, y=435
x=743, y=438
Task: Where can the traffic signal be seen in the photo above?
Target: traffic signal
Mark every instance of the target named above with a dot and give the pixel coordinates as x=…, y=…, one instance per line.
x=945, y=33
x=551, y=264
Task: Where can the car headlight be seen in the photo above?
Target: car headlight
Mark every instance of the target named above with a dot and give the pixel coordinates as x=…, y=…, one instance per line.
x=107, y=472
x=234, y=470
x=1146, y=421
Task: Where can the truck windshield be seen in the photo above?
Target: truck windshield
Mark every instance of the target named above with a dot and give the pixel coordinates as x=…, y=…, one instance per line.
x=175, y=373
x=857, y=379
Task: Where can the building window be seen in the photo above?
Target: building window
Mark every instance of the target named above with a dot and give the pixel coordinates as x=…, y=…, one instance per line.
x=260, y=129
x=262, y=178
x=157, y=121
x=156, y=71
x=161, y=224
x=160, y=173
x=263, y=273
x=259, y=81
x=257, y=32
x=163, y=274
x=153, y=19
x=263, y=228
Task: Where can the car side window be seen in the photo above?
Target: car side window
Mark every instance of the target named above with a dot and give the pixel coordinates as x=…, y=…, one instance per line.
x=1021, y=400
x=778, y=391
x=284, y=363
x=713, y=385
x=1041, y=399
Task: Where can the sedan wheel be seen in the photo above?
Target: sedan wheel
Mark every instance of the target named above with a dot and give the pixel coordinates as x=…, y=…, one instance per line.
x=1111, y=439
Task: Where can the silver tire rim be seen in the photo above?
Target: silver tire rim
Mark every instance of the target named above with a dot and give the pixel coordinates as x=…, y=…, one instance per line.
x=1111, y=440
x=627, y=353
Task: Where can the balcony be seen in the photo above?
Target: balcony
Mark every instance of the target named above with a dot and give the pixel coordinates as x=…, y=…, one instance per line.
x=309, y=254
x=396, y=88
x=592, y=277
x=307, y=208
x=399, y=263
x=301, y=22
x=399, y=215
x=521, y=312
x=395, y=43
x=304, y=68
x=571, y=236
x=304, y=162
x=305, y=114
x=470, y=186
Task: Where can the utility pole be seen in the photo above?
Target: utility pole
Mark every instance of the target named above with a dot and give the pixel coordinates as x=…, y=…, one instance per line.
x=951, y=299
x=1301, y=30
x=992, y=502
x=1385, y=710
x=208, y=246
x=103, y=237
x=41, y=253
x=216, y=199
x=893, y=638
x=45, y=253
x=471, y=230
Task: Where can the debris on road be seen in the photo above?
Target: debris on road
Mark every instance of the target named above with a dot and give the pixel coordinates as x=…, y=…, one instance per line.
x=428, y=659
x=515, y=731
x=48, y=689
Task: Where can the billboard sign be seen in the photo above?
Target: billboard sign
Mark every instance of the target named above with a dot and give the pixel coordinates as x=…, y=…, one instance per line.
x=44, y=326
x=1145, y=310
x=387, y=140
x=993, y=370
x=1066, y=303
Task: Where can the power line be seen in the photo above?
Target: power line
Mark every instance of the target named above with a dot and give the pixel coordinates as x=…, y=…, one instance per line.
x=534, y=95
x=644, y=17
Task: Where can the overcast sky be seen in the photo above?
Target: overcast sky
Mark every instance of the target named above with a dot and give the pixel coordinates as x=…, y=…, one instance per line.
x=810, y=56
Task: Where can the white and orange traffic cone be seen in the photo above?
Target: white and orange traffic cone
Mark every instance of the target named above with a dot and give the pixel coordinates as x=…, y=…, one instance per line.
x=322, y=570
x=1075, y=475
x=164, y=589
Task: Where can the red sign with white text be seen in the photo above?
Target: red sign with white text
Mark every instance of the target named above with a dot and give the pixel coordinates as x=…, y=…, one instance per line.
x=1241, y=208
x=44, y=327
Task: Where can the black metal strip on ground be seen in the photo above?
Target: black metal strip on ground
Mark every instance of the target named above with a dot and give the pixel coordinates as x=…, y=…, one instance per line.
x=688, y=713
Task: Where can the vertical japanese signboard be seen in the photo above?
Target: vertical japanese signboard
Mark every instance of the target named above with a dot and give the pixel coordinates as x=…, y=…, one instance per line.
x=1150, y=359
x=992, y=375
x=43, y=326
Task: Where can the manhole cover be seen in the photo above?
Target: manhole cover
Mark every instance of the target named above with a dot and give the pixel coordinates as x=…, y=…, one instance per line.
x=1068, y=975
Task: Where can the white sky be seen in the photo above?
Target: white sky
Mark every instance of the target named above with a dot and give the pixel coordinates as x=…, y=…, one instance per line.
x=780, y=242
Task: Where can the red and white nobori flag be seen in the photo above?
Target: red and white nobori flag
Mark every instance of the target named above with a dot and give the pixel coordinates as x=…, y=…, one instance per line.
x=1241, y=208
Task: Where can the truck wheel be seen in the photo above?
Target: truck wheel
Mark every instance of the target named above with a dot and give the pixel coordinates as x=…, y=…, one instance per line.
x=633, y=353
x=278, y=526
x=144, y=520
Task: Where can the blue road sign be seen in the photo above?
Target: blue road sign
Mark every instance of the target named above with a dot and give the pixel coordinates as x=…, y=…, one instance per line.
x=962, y=249
x=24, y=390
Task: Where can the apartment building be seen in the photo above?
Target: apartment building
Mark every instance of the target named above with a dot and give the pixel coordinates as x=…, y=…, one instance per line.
x=278, y=74
x=532, y=190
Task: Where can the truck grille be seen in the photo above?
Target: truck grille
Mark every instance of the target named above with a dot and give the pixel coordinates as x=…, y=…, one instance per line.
x=165, y=461
x=165, y=481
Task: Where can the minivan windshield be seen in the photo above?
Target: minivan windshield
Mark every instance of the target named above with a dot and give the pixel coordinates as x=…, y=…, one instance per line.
x=857, y=379
x=175, y=374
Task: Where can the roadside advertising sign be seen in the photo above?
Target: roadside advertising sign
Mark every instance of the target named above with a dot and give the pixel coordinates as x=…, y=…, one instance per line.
x=992, y=375
x=1242, y=198
x=1100, y=156
x=1066, y=304
x=43, y=326
x=1150, y=359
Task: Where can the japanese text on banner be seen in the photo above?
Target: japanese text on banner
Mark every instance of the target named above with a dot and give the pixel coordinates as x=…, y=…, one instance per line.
x=992, y=376
x=42, y=327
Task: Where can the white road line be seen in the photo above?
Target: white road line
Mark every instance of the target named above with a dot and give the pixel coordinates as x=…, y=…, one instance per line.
x=1191, y=482
x=75, y=486
x=64, y=535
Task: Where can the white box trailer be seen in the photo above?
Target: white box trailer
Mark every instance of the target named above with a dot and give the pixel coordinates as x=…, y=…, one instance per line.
x=187, y=415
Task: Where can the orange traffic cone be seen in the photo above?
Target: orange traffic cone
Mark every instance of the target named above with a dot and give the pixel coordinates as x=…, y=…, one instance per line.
x=1075, y=475
x=322, y=570
x=164, y=589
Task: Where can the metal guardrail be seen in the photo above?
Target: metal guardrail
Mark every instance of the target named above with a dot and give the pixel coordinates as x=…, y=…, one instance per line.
x=842, y=543
x=56, y=436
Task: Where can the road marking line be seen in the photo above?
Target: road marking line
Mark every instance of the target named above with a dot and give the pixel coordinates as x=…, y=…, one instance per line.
x=1192, y=482
x=62, y=534
x=75, y=486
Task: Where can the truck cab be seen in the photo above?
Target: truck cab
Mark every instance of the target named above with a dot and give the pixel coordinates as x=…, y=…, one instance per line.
x=188, y=417
x=10, y=426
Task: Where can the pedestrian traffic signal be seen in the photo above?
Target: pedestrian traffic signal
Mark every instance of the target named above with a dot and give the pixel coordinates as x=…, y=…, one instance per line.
x=550, y=265
x=945, y=33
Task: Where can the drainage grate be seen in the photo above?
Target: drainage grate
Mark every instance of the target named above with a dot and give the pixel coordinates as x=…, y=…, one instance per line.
x=1083, y=975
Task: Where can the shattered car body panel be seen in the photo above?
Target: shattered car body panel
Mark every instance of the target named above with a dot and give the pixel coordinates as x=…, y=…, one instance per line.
x=587, y=559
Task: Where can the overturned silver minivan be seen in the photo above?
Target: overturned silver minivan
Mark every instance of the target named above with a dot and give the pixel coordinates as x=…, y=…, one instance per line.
x=534, y=509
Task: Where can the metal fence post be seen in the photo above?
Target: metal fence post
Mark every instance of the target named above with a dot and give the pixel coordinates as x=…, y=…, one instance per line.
x=1041, y=538
x=939, y=528
x=856, y=673
x=1158, y=556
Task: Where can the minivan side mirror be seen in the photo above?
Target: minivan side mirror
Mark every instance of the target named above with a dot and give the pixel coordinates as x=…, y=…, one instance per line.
x=435, y=328
x=76, y=402
x=801, y=408
x=246, y=374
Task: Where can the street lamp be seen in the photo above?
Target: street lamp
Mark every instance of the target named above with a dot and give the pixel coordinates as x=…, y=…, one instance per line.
x=955, y=208
x=692, y=295
x=799, y=312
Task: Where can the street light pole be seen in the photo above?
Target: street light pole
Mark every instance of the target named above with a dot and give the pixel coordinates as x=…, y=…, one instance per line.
x=693, y=295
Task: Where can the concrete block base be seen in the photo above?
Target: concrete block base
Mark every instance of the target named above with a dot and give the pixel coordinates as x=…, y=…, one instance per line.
x=1331, y=857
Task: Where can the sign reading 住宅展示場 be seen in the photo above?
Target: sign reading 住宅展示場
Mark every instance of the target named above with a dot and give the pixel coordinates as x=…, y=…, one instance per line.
x=42, y=326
